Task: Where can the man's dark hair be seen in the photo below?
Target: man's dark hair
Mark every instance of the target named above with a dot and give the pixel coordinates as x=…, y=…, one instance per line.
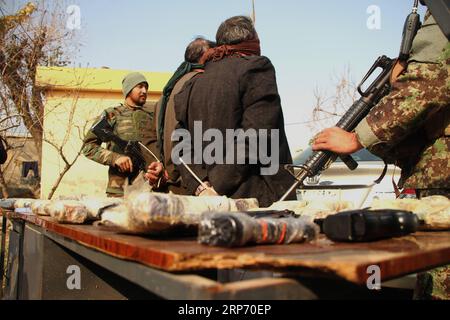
x=235, y=30
x=197, y=48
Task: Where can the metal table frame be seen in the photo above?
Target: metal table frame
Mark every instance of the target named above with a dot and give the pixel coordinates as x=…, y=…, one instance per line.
x=38, y=259
x=30, y=279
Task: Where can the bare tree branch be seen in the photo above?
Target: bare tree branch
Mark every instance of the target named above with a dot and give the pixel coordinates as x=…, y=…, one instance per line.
x=33, y=36
x=9, y=118
x=328, y=109
x=68, y=164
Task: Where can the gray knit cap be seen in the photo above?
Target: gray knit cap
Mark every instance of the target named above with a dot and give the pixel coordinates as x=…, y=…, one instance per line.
x=130, y=81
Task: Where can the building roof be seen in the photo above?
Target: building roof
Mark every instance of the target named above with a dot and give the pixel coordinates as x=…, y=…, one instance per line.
x=94, y=79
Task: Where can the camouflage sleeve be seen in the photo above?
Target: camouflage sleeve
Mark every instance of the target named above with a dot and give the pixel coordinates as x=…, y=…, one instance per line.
x=417, y=96
x=93, y=150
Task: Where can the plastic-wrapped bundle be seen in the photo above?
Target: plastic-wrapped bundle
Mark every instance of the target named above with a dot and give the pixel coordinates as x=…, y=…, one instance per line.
x=78, y=212
x=115, y=217
x=246, y=204
x=309, y=209
x=71, y=209
x=433, y=211
x=172, y=209
x=23, y=203
x=121, y=219
x=95, y=206
x=75, y=197
x=67, y=211
x=38, y=207
x=146, y=212
x=8, y=204
x=240, y=229
x=297, y=206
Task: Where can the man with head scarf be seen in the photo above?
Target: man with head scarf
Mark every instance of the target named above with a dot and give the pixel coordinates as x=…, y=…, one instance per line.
x=236, y=93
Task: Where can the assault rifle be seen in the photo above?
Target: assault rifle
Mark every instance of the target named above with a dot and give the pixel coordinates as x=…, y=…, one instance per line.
x=380, y=87
x=132, y=149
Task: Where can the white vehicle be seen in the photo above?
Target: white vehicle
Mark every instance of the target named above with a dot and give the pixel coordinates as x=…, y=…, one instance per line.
x=340, y=183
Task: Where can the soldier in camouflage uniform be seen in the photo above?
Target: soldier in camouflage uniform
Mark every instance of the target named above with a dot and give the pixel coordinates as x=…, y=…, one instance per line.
x=131, y=121
x=411, y=128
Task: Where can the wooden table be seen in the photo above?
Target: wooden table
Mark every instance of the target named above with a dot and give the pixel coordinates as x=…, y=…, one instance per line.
x=177, y=257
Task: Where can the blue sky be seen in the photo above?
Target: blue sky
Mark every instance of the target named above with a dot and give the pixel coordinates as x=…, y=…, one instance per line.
x=307, y=41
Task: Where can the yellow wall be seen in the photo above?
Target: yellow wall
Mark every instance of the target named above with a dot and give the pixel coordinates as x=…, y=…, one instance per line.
x=87, y=91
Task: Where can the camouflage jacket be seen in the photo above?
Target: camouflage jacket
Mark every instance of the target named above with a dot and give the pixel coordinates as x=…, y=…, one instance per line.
x=411, y=126
x=128, y=124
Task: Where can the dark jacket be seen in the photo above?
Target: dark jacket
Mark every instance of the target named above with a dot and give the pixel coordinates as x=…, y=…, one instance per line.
x=236, y=93
x=170, y=124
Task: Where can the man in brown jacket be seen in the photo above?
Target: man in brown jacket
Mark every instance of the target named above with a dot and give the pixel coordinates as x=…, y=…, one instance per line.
x=165, y=121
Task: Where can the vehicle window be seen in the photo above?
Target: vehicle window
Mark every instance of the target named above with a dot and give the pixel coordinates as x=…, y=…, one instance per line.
x=302, y=157
x=361, y=155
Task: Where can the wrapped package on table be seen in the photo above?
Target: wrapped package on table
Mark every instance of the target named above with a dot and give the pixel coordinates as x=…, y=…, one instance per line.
x=236, y=229
x=282, y=223
x=79, y=211
x=433, y=212
x=73, y=209
x=148, y=212
x=310, y=209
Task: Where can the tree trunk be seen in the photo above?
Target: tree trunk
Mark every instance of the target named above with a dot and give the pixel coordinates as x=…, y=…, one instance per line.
x=3, y=185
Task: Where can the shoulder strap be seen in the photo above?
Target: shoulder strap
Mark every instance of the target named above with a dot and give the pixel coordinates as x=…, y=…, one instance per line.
x=114, y=111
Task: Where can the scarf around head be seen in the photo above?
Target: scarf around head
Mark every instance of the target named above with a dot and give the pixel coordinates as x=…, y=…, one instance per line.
x=182, y=70
x=245, y=48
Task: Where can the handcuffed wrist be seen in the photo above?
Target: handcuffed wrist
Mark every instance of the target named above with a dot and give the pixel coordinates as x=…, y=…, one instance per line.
x=201, y=188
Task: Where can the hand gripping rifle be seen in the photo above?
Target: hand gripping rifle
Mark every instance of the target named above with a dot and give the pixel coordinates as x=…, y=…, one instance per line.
x=132, y=149
x=380, y=87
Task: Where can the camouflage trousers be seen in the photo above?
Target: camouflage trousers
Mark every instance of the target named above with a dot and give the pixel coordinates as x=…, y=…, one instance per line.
x=433, y=284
